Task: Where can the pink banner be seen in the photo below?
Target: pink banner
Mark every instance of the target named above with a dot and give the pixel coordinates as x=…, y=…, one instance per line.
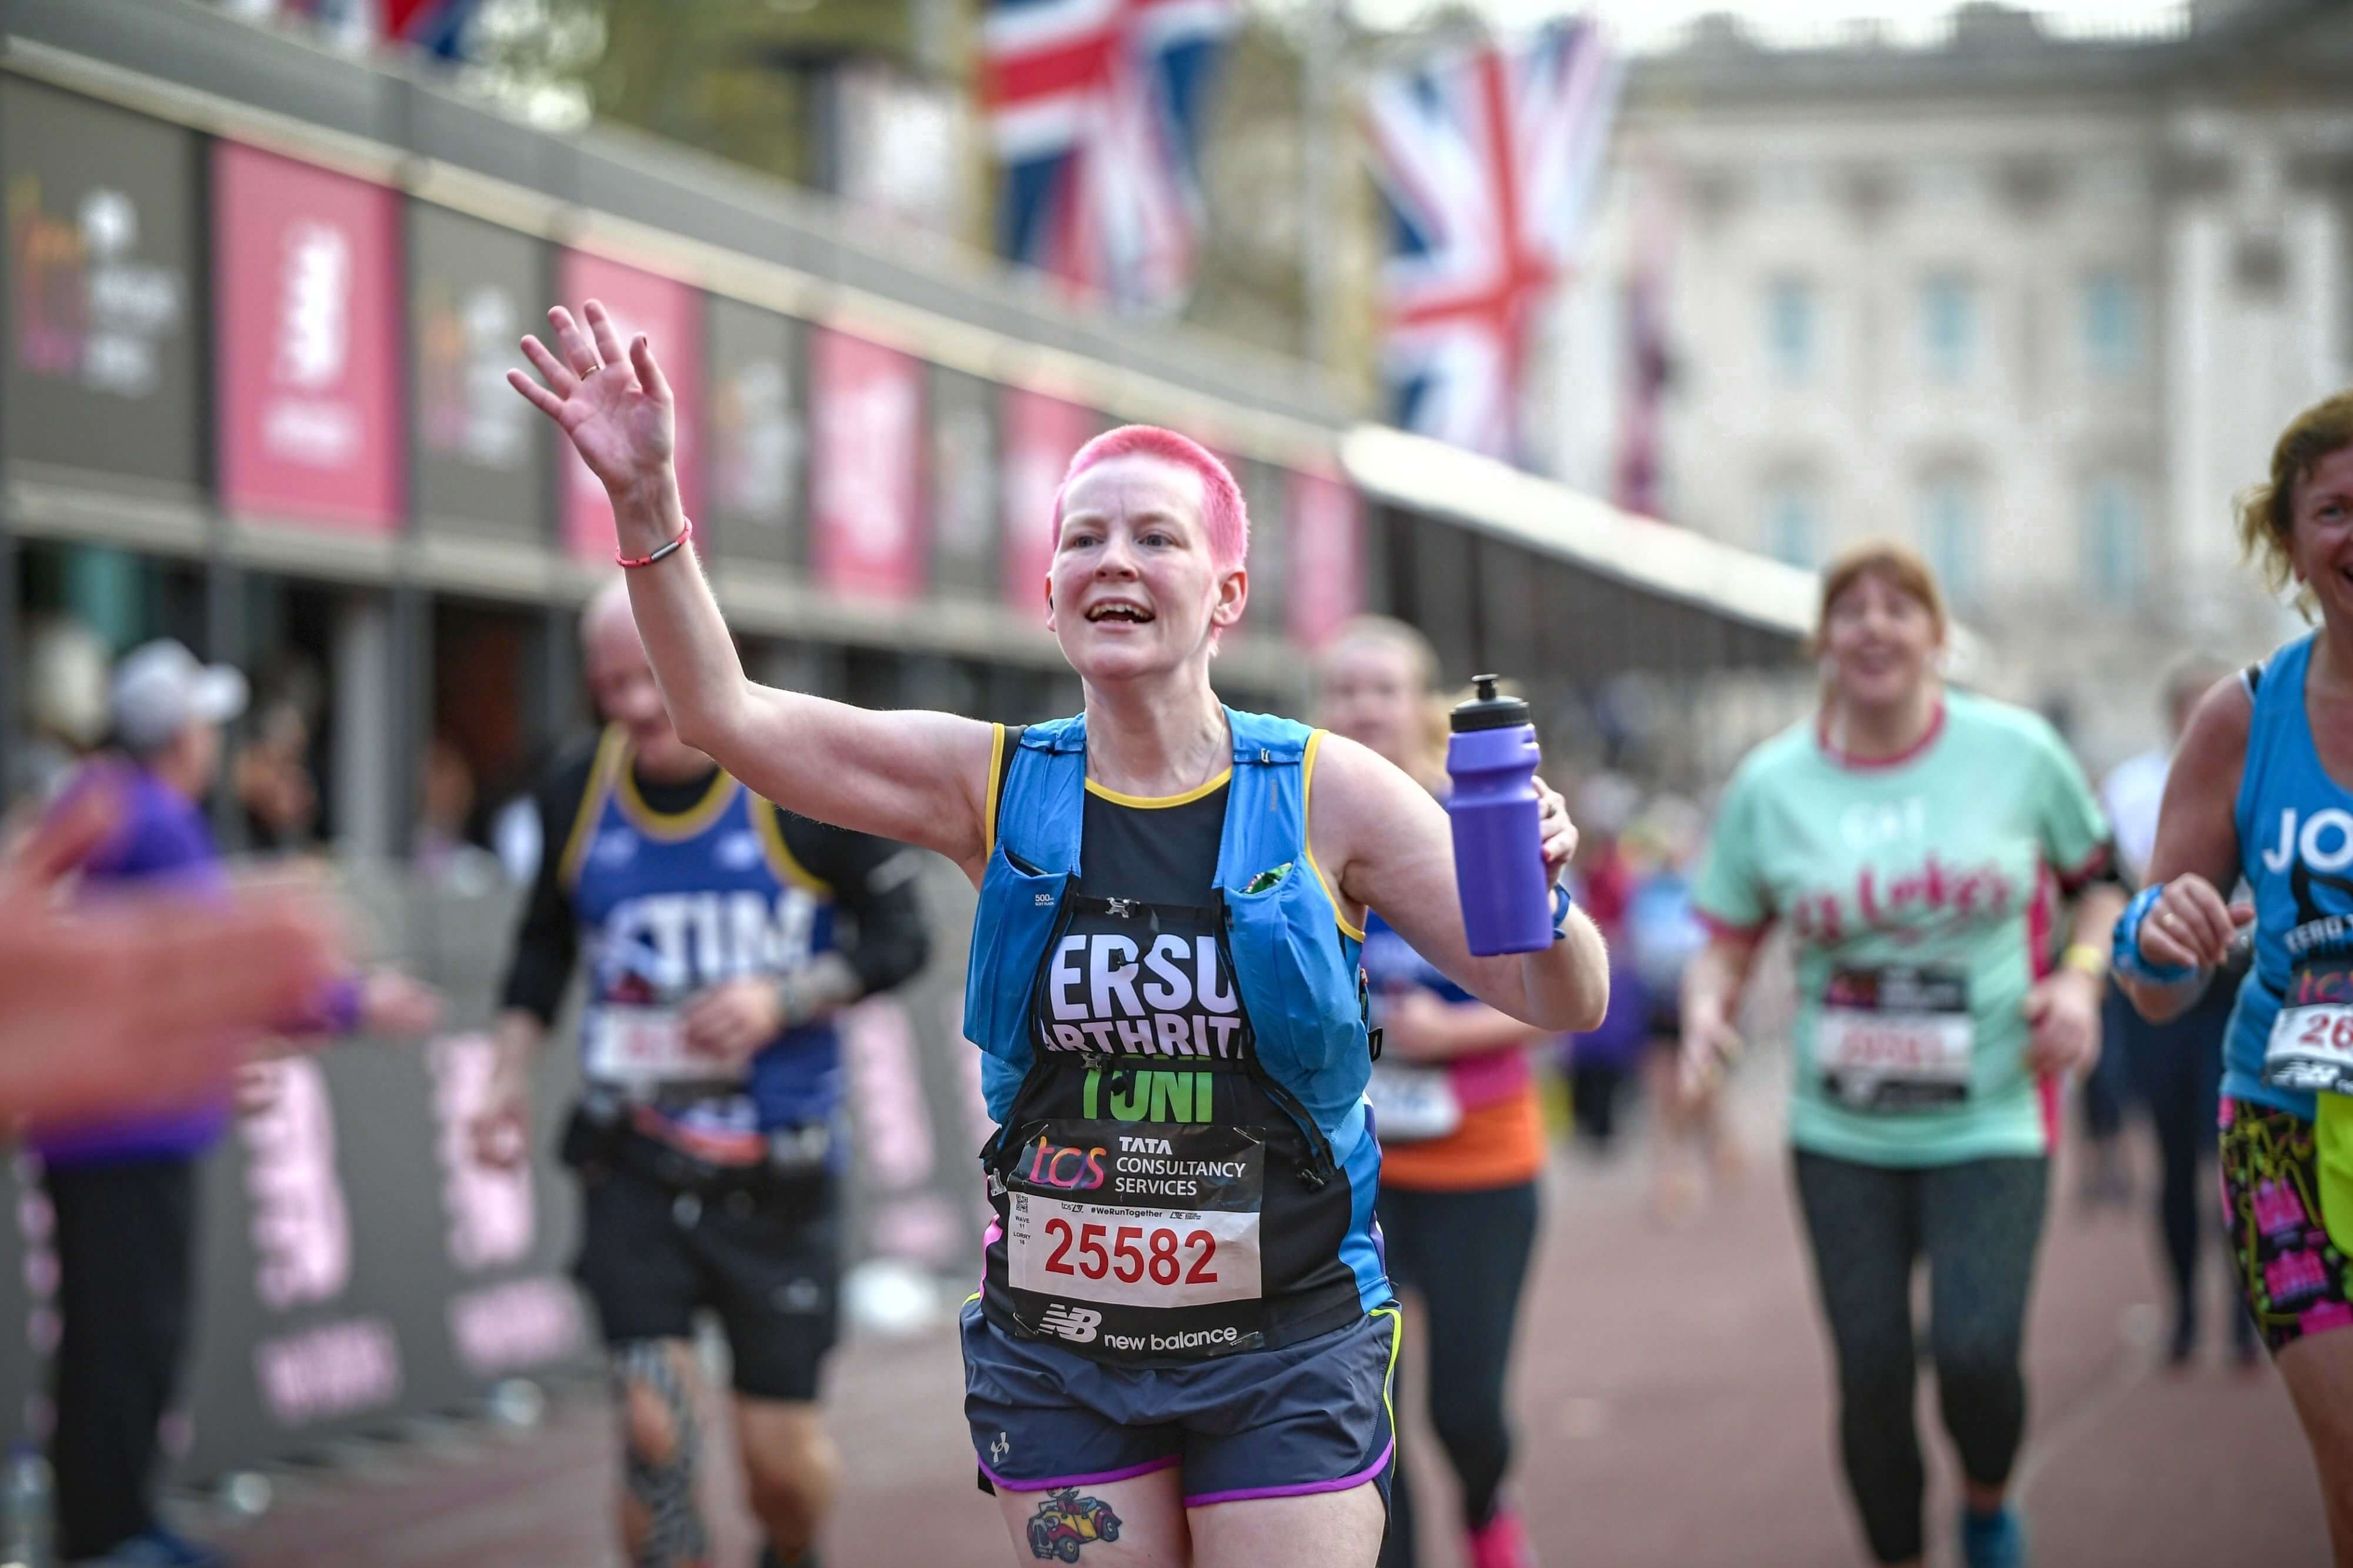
x=308, y=305
x=670, y=314
x=1327, y=577
x=866, y=493
x=1041, y=433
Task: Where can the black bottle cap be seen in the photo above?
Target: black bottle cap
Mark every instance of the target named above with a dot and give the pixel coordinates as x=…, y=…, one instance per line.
x=1487, y=710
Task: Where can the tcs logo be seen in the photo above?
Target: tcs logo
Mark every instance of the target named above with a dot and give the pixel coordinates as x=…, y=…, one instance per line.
x=1064, y=1165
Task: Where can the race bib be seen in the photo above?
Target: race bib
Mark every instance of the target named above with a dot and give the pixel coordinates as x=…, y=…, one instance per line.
x=1896, y=1038
x=647, y=1046
x=1134, y=1258
x=2311, y=1046
x=1412, y=1104
x=1137, y=1241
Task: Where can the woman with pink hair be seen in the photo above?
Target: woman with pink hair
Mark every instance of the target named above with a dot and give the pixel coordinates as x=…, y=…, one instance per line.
x=1181, y=1352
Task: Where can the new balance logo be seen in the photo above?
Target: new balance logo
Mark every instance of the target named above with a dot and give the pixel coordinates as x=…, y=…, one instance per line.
x=1076, y=1324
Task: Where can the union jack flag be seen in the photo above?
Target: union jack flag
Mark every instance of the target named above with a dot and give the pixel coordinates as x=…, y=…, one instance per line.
x=1095, y=106
x=1487, y=162
x=436, y=27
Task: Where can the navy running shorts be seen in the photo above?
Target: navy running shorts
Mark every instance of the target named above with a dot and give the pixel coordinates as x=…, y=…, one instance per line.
x=1312, y=1417
x=768, y=1263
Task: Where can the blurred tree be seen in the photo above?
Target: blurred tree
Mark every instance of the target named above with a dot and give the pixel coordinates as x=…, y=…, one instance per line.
x=741, y=78
x=1263, y=213
x=746, y=79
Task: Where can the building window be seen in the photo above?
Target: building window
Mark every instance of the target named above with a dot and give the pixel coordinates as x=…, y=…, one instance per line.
x=1793, y=527
x=2111, y=325
x=1950, y=528
x=2115, y=545
x=1948, y=326
x=1790, y=329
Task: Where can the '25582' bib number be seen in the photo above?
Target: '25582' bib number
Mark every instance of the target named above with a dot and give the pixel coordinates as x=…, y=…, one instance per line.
x=1138, y=1258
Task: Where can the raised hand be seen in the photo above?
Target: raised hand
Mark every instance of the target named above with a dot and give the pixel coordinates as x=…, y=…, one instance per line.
x=611, y=401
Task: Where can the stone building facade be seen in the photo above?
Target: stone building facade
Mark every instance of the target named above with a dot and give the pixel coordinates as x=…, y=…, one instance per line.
x=2038, y=304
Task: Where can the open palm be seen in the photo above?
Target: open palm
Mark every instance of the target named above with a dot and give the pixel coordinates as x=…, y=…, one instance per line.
x=614, y=404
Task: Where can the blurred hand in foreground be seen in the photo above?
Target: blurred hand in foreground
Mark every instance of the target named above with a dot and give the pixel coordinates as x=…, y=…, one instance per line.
x=140, y=1002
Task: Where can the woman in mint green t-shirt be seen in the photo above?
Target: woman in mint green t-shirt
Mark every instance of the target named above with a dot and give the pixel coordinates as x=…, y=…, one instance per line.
x=1918, y=843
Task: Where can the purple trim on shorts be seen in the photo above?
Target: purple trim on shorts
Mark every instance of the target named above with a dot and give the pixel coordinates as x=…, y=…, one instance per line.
x=1304, y=1489
x=1100, y=1478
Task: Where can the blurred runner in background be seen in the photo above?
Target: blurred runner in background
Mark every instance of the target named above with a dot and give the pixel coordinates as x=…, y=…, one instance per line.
x=2177, y=1066
x=1454, y=1102
x=1913, y=838
x=1689, y=1140
x=708, y=1139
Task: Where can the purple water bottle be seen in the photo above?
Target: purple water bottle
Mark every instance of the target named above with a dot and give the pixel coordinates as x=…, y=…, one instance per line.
x=1499, y=872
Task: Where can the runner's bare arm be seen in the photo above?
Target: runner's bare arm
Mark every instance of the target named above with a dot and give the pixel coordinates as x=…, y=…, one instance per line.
x=920, y=778
x=1419, y=1026
x=1390, y=848
x=2197, y=854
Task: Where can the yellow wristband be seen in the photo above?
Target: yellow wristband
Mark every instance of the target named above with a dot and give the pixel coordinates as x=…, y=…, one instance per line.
x=2085, y=959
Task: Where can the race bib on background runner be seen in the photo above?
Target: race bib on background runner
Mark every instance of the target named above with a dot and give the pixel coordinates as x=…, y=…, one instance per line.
x=1896, y=1038
x=647, y=1046
x=1412, y=1103
x=2311, y=1045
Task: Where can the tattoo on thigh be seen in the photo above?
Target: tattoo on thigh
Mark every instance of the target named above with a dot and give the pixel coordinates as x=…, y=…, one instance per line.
x=1065, y=1521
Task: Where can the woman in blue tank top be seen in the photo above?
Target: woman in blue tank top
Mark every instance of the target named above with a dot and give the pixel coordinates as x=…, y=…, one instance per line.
x=1181, y=1349
x=2262, y=790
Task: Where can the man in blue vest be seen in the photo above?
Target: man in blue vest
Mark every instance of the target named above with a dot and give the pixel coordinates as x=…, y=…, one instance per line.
x=708, y=1139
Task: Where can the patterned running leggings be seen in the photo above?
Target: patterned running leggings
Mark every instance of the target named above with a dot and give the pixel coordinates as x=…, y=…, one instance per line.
x=1979, y=1223
x=2295, y=1279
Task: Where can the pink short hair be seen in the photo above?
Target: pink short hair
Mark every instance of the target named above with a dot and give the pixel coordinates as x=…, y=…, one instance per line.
x=1225, y=519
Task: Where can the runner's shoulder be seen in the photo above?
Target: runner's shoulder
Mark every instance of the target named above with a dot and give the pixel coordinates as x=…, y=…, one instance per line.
x=2216, y=736
x=1777, y=758
x=563, y=780
x=1978, y=720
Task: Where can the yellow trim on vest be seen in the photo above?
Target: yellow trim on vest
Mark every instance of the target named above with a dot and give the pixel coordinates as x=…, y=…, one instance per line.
x=768, y=817
x=996, y=783
x=1306, y=840
x=673, y=827
x=1388, y=1379
x=1159, y=801
x=592, y=804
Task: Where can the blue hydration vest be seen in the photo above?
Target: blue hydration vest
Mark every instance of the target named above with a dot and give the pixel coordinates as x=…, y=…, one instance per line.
x=1294, y=966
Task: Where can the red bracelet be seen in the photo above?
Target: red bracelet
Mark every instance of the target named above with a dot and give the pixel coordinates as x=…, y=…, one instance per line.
x=683, y=535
